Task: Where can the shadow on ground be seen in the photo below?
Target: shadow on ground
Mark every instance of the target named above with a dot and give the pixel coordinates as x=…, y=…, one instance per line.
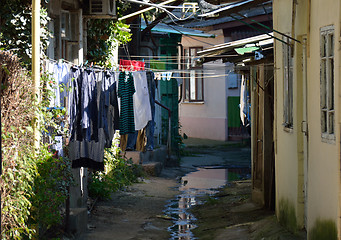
x=137, y=212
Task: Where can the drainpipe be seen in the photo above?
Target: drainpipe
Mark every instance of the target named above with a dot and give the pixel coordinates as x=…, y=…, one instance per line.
x=180, y=66
x=36, y=64
x=169, y=127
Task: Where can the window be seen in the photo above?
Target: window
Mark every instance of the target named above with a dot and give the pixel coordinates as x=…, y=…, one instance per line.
x=327, y=82
x=193, y=84
x=288, y=84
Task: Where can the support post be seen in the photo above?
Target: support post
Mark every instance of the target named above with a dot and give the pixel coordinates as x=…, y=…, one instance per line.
x=36, y=64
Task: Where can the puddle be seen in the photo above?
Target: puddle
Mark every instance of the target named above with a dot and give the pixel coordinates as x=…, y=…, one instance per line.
x=205, y=181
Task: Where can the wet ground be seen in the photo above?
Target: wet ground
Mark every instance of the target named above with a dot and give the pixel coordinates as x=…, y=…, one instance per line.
x=207, y=197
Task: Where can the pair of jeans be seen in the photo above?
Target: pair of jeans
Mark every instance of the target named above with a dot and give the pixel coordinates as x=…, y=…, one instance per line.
x=151, y=124
x=131, y=141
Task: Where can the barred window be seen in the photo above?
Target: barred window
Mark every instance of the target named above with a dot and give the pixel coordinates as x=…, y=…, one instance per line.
x=327, y=82
x=288, y=84
x=194, y=82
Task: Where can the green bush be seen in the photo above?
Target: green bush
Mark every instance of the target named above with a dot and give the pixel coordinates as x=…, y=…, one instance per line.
x=18, y=164
x=33, y=184
x=51, y=184
x=118, y=172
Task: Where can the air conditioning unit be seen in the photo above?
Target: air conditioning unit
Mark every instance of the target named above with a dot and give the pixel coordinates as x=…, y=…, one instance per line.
x=102, y=8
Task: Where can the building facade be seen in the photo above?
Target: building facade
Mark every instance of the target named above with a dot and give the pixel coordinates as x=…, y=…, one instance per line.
x=211, y=91
x=307, y=116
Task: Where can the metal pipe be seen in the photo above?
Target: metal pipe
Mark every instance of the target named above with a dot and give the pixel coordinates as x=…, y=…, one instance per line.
x=180, y=65
x=169, y=127
x=260, y=30
x=269, y=28
x=36, y=65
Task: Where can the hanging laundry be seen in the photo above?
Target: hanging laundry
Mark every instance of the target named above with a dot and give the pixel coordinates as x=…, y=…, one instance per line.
x=58, y=71
x=109, y=118
x=158, y=76
x=125, y=92
x=151, y=124
x=142, y=111
x=88, y=154
x=164, y=76
x=245, y=106
x=89, y=107
x=178, y=78
x=74, y=108
x=93, y=116
x=131, y=65
x=90, y=97
x=169, y=76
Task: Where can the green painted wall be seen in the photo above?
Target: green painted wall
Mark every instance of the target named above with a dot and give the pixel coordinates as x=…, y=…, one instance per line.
x=169, y=89
x=233, y=111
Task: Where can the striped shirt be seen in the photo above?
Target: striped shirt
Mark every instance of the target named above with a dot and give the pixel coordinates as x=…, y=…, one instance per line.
x=126, y=91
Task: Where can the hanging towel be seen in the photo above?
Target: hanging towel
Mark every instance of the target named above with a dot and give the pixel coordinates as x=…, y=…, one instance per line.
x=243, y=99
x=142, y=110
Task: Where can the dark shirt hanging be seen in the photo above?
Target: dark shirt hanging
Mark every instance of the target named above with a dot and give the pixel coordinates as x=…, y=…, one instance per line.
x=126, y=90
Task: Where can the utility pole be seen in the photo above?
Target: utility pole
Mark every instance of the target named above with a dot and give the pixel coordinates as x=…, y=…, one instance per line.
x=36, y=65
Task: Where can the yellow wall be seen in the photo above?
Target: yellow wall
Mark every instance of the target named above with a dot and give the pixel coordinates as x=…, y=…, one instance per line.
x=324, y=158
x=286, y=161
x=323, y=178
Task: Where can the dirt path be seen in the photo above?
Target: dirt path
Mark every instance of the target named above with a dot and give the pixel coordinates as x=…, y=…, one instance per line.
x=137, y=212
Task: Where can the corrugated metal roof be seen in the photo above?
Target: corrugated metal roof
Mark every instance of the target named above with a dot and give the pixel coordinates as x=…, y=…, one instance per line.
x=164, y=28
x=247, y=13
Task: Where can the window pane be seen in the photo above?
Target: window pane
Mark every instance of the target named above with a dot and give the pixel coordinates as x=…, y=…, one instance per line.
x=187, y=86
x=193, y=54
x=330, y=45
x=324, y=121
x=323, y=45
x=187, y=58
x=194, y=81
x=288, y=85
x=331, y=84
x=327, y=80
x=193, y=85
x=323, y=84
x=199, y=85
x=331, y=123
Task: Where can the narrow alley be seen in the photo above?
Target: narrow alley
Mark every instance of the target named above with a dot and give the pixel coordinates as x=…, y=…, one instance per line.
x=170, y=206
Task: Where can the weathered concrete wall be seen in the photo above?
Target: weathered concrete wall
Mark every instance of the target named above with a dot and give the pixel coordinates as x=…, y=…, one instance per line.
x=207, y=119
x=307, y=175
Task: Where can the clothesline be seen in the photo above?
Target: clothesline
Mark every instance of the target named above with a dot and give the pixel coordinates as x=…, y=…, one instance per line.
x=92, y=98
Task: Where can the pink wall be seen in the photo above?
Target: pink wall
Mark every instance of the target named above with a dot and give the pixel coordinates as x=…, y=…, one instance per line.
x=205, y=128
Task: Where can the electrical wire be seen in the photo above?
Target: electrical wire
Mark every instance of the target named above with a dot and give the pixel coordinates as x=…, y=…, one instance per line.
x=177, y=57
x=163, y=7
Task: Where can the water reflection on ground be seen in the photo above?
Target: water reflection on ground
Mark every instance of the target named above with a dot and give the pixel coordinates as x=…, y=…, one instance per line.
x=205, y=181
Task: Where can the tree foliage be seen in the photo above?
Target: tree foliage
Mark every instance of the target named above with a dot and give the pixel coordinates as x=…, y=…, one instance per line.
x=16, y=135
x=32, y=188
x=103, y=36
x=15, y=29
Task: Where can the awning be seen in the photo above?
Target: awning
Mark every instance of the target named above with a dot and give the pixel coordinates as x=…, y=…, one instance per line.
x=164, y=28
x=237, y=50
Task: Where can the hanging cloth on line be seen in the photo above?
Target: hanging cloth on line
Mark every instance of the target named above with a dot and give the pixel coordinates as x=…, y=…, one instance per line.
x=125, y=92
x=93, y=115
x=142, y=110
x=131, y=65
